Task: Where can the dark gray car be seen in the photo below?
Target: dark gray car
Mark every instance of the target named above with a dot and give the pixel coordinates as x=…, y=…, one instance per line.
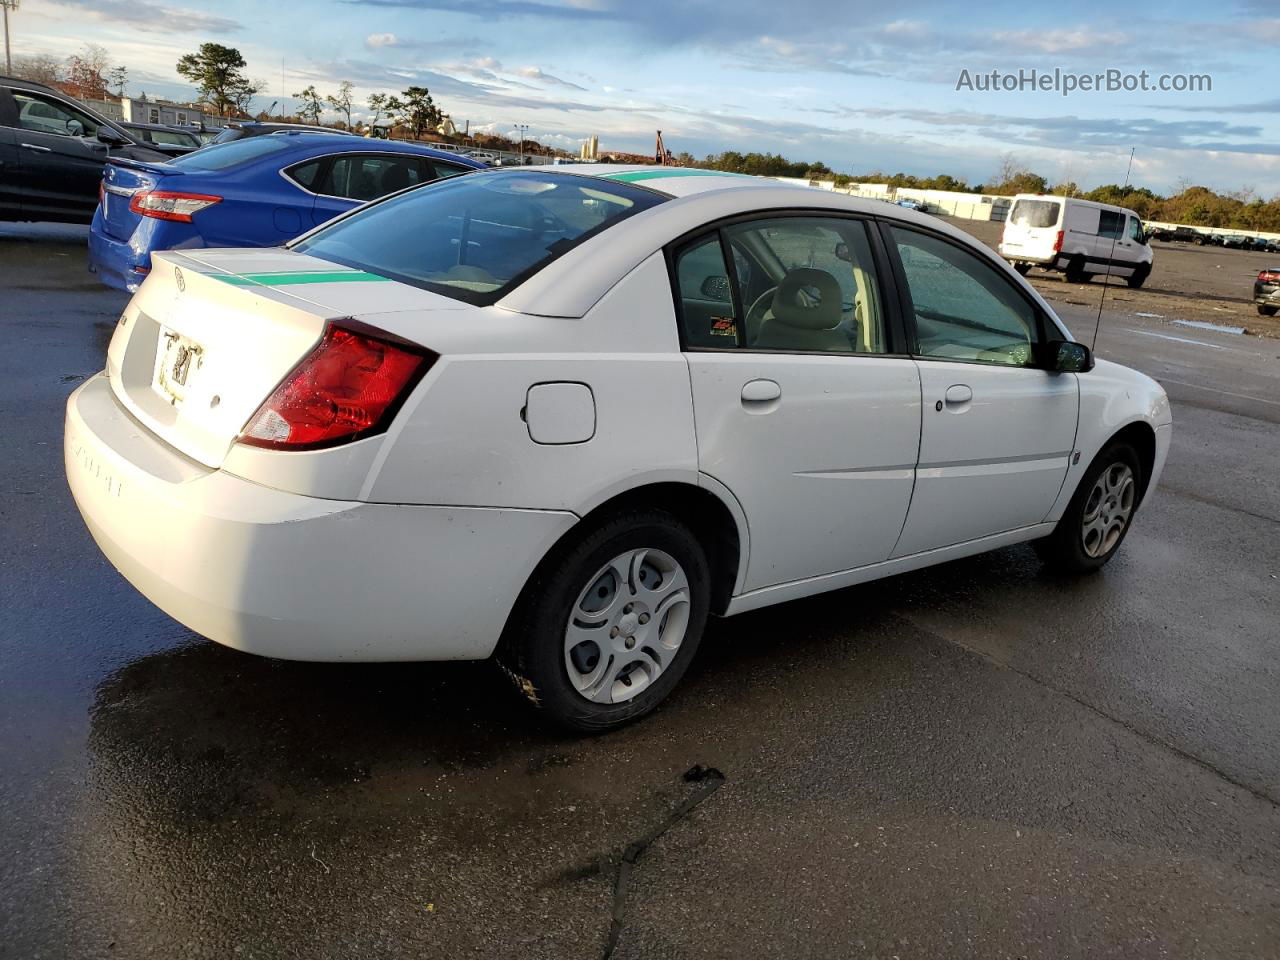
x=52, y=150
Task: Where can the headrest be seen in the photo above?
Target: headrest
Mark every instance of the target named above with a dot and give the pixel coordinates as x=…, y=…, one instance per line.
x=808, y=299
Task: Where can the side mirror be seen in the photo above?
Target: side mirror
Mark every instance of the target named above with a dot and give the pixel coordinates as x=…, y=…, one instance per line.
x=716, y=288
x=1067, y=356
x=111, y=138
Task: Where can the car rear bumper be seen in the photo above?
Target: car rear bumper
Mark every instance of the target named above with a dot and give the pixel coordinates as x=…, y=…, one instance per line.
x=115, y=262
x=1267, y=295
x=290, y=576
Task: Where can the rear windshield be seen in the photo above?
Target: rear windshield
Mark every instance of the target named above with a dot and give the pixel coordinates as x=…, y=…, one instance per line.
x=223, y=156
x=1035, y=213
x=474, y=238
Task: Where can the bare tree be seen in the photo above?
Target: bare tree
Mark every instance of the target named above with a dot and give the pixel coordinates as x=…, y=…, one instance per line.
x=38, y=68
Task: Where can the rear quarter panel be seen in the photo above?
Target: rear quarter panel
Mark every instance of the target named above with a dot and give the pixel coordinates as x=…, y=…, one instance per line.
x=462, y=440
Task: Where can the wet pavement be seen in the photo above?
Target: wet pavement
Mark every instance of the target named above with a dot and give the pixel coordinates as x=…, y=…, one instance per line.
x=976, y=760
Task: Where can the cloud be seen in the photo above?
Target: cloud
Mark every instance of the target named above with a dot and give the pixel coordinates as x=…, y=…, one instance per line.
x=151, y=17
x=393, y=41
x=534, y=73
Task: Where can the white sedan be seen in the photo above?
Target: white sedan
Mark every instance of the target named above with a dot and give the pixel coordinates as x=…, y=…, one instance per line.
x=560, y=417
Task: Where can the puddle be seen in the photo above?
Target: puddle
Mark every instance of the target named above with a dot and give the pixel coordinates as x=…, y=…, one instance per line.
x=1203, y=325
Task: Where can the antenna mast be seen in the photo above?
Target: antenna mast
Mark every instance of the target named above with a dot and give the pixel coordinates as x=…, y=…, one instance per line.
x=1106, y=282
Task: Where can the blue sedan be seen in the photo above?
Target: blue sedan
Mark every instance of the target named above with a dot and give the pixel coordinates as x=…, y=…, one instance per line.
x=254, y=192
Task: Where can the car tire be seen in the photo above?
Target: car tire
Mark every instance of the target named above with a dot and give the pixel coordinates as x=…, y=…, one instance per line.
x=1139, y=276
x=1100, y=514
x=1022, y=268
x=1075, y=270
x=586, y=628
x=1266, y=310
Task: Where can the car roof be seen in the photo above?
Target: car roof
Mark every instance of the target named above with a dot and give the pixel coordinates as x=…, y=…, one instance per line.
x=574, y=282
x=349, y=143
x=28, y=85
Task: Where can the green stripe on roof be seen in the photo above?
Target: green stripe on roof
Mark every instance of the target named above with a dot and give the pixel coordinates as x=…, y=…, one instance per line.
x=663, y=173
x=288, y=278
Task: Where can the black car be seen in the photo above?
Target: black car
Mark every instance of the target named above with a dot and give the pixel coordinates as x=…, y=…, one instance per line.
x=52, y=150
x=171, y=140
x=238, y=131
x=1266, y=291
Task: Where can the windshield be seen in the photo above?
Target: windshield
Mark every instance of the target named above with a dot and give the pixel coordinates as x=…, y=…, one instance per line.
x=1035, y=213
x=476, y=237
x=223, y=156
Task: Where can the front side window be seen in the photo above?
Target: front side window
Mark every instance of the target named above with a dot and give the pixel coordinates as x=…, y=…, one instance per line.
x=1136, y=233
x=41, y=114
x=356, y=176
x=474, y=238
x=964, y=309
x=1110, y=224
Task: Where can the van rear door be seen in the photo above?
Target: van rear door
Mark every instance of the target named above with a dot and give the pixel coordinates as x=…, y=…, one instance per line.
x=1031, y=231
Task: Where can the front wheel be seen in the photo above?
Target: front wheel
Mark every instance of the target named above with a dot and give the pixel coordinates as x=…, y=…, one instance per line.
x=606, y=629
x=1139, y=276
x=1266, y=310
x=1099, y=515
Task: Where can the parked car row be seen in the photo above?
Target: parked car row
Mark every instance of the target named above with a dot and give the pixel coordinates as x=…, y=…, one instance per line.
x=1236, y=241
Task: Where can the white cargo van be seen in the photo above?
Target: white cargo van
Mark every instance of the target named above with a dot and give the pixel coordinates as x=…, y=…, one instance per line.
x=1079, y=237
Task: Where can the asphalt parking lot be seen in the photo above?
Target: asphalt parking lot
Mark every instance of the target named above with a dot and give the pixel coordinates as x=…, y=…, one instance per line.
x=978, y=760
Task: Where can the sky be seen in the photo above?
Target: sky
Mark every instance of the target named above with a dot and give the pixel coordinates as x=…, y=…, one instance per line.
x=861, y=86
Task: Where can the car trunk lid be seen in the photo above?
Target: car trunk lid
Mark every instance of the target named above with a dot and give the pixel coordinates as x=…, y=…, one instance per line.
x=209, y=337
x=121, y=179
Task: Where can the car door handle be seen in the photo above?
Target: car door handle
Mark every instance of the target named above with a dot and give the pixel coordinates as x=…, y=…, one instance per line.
x=760, y=391
x=958, y=396
x=36, y=148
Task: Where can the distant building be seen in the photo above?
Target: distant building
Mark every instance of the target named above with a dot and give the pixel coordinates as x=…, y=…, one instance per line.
x=167, y=112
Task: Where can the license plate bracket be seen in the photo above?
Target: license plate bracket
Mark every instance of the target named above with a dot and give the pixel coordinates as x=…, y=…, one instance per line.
x=178, y=358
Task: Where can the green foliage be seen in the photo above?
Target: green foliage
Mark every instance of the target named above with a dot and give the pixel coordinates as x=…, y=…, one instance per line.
x=218, y=73
x=310, y=109
x=417, y=110
x=342, y=101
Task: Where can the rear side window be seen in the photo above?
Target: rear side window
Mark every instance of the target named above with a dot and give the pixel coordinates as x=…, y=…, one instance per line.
x=305, y=173
x=224, y=156
x=1035, y=213
x=706, y=303
x=474, y=238
x=362, y=177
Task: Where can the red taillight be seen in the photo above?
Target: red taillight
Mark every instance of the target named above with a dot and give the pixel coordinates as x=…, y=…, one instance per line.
x=1057, y=244
x=347, y=387
x=168, y=205
x=102, y=190
x=1269, y=276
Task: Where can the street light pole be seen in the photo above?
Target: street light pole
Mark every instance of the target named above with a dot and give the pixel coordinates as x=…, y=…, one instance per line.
x=8, y=60
x=522, y=127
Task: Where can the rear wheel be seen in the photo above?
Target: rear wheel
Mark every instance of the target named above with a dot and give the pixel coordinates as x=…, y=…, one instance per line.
x=1075, y=270
x=1022, y=268
x=606, y=629
x=1139, y=276
x=1100, y=513
x=1266, y=310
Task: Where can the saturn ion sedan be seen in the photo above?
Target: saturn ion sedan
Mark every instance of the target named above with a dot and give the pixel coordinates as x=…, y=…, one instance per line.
x=560, y=419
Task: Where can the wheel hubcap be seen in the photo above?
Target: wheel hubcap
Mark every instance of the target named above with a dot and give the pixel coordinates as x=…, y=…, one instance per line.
x=1108, y=510
x=627, y=625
